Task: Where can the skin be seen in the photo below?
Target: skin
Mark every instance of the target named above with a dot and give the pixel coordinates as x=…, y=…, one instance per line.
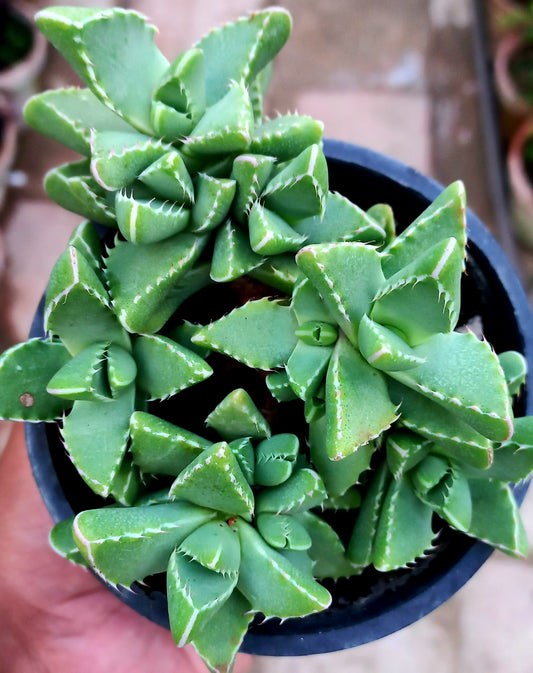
x=55, y=617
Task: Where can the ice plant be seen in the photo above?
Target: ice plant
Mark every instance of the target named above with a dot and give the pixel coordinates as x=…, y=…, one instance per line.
x=403, y=418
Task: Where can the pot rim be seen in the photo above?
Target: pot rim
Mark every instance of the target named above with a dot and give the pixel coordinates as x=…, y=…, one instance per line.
x=319, y=637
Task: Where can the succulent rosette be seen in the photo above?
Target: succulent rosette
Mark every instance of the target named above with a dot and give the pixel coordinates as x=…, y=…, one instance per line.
x=403, y=416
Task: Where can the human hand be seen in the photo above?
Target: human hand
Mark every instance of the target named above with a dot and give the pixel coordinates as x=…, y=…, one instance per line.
x=56, y=616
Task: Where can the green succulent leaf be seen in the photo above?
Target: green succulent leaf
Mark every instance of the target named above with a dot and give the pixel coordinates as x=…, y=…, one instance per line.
x=96, y=436
x=68, y=115
x=215, y=545
x=25, y=370
x=452, y=436
x=286, y=136
x=275, y=459
x=160, y=447
x=384, y=349
x=226, y=126
x=88, y=39
x=215, y=480
x=496, y=517
x=307, y=367
x=195, y=594
x=338, y=475
x=282, y=531
x=300, y=188
x=83, y=377
x=347, y=276
x=220, y=638
x=213, y=199
x=430, y=473
x=260, y=334
x=258, y=89
x=145, y=280
x=463, y=375
x=404, y=449
x=164, y=367
x=236, y=416
x=280, y=387
x=404, y=530
x=126, y=544
x=118, y=158
x=302, y=491
x=342, y=221
x=327, y=550
x=449, y=497
x=74, y=188
x=148, y=220
x=514, y=367
x=443, y=219
x=232, y=254
x=382, y=215
x=358, y=406
x=271, y=583
x=62, y=542
x=121, y=369
x=168, y=178
x=270, y=234
x=251, y=172
x=423, y=298
x=127, y=484
x=279, y=271
x=243, y=451
x=86, y=240
x=240, y=50
x=307, y=304
x=182, y=92
x=77, y=307
x=513, y=460
x=361, y=548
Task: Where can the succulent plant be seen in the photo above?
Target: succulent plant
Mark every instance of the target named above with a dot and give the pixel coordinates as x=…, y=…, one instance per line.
x=407, y=419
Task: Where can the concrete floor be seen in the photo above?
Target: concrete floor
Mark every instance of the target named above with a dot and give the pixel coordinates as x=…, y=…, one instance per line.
x=397, y=76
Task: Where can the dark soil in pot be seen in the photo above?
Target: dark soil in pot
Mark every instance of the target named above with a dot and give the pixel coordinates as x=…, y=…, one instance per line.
x=372, y=604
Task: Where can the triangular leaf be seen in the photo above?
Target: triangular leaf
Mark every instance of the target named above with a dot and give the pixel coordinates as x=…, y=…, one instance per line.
x=96, y=436
x=74, y=188
x=160, y=447
x=215, y=480
x=232, y=254
x=442, y=219
x=358, y=406
x=260, y=334
x=67, y=115
x=237, y=416
x=347, y=276
x=239, y=50
x=145, y=281
x=342, y=221
x=88, y=39
x=272, y=584
x=286, y=136
x=164, y=367
x=404, y=530
x=25, y=370
x=213, y=199
x=302, y=491
x=126, y=544
x=463, y=375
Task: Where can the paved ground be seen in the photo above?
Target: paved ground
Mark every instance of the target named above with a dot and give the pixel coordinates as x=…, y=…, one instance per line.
x=395, y=75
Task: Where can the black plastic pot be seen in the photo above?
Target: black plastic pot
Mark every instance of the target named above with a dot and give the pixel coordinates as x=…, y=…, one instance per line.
x=373, y=604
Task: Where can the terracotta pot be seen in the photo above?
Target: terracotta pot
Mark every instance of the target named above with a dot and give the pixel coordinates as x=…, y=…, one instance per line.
x=20, y=81
x=373, y=604
x=515, y=107
x=8, y=148
x=521, y=186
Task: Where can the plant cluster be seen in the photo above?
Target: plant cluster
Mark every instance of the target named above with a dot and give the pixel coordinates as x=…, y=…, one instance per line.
x=409, y=421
